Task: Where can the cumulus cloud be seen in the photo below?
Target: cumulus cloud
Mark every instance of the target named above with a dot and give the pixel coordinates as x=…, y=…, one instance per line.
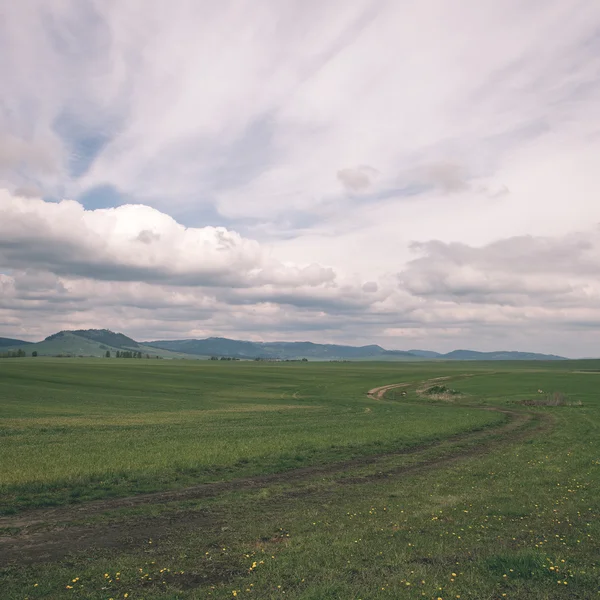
x=222, y=196
x=136, y=243
x=134, y=264
x=521, y=271
x=155, y=310
x=136, y=268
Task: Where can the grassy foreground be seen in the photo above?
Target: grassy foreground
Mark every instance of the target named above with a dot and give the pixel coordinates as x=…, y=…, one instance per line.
x=313, y=490
x=97, y=428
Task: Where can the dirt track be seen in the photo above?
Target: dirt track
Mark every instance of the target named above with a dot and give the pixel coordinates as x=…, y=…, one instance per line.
x=379, y=392
x=44, y=534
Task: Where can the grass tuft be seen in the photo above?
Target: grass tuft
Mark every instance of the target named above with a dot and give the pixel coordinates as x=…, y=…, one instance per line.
x=552, y=399
x=523, y=564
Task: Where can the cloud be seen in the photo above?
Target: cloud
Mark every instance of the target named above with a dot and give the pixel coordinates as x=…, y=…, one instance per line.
x=17, y=153
x=276, y=178
x=544, y=272
x=136, y=268
x=138, y=100
x=134, y=264
x=147, y=236
x=136, y=243
x=28, y=191
x=449, y=177
x=357, y=179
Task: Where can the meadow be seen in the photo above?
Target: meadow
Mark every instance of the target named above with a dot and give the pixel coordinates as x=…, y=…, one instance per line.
x=203, y=479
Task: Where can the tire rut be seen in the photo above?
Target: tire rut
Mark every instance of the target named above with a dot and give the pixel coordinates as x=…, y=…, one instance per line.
x=45, y=534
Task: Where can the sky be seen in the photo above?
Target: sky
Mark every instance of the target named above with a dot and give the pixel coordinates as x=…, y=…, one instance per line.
x=417, y=175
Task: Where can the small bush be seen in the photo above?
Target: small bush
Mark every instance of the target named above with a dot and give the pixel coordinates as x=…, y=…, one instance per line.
x=552, y=399
x=441, y=390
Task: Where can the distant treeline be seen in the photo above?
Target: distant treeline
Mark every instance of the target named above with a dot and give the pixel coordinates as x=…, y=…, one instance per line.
x=137, y=354
x=129, y=354
x=16, y=354
x=260, y=359
x=20, y=353
x=281, y=359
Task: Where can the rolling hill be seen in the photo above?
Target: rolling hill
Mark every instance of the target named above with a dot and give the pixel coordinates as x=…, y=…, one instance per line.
x=425, y=353
x=96, y=342
x=89, y=342
x=217, y=346
x=100, y=336
x=275, y=350
x=7, y=342
x=498, y=355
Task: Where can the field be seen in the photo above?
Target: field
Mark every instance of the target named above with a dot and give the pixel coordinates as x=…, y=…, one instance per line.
x=207, y=479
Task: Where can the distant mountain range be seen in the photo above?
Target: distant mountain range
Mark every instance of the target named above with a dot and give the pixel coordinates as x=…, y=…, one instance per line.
x=274, y=350
x=85, y=342
x=499, y=355
x=96, y=342
x=293, y=350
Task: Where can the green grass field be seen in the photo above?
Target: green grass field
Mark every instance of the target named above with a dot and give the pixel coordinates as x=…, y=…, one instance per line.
x=201, y=479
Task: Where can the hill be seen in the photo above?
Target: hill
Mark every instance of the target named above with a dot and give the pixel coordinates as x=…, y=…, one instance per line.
x=101, y=336
x=425, y=353
x=66, y=343
x=91, y=342
x=498, y=355
x=6, y=342
x=96, y=342
x=216, y=346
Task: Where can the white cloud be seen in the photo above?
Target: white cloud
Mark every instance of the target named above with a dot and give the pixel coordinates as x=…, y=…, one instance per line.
x=28, y=191
x=135, y=268
x=332, y=134
x=357, y=179
x=136, y=243
x=17, y=153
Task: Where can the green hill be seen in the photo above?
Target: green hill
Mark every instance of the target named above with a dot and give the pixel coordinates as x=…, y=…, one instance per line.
x=103, y=337
x=6, y=342
x=498, y=355
x=216, y=346
x=277, y=350
x=96, y=342
x=91, y=342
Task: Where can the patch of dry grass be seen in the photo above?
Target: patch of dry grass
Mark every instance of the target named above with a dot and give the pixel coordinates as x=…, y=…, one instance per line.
x=552, y=399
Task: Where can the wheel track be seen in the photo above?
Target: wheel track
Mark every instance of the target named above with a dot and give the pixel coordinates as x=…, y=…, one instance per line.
x=45, y=534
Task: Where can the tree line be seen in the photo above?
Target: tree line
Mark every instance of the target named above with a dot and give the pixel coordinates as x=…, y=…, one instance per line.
x=128, y=354
x=20, y=353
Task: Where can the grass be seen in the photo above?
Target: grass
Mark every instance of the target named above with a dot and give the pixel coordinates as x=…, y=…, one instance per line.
x=68, y=344
x=440, y=389
x=553, y=399
x=509, y=510
x=91, y=429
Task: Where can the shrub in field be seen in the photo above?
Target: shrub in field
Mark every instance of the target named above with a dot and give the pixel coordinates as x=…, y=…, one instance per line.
x=440, y=392
x=440, y=389
x=552, y=399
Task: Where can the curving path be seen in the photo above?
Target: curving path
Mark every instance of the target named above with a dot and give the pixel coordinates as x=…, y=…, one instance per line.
x=50, y=534
x=379, y=392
